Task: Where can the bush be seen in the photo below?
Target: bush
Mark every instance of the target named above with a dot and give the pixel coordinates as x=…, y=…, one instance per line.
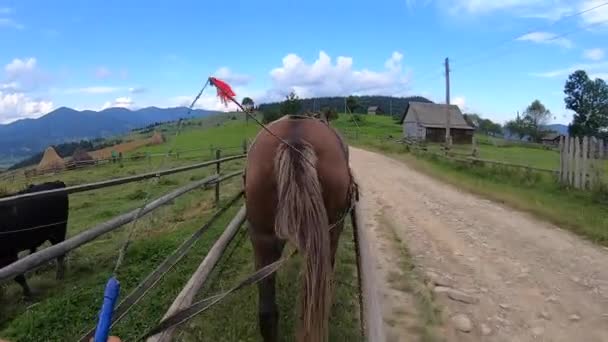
x=269, y=115
x=359, y=118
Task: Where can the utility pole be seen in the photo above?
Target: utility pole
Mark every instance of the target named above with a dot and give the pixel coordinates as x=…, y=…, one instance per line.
x=448, y=137
x=391, y=106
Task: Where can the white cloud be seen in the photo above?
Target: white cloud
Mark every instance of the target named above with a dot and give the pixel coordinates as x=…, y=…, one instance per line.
x=6, y=10
x=231, y=77
x=546, y=38
x=485, y=6
x=137, y=90
x=10, y=23
x=25, y=74
x=102, y=72
x=324, y=78
x=594, y=54
x=597, y=16
x=19, y=67
x=460, y=101
x=15, y=106
x=602, y=75
x=94, y=90
x=120, y=102
x=589, y=67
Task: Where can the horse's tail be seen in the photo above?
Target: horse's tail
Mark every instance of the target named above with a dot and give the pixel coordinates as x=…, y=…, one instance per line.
x=302, y=219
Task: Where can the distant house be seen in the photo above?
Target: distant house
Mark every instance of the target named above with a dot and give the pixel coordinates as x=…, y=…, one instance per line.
x=428, y=122
x=551, y=139
x=374, y=110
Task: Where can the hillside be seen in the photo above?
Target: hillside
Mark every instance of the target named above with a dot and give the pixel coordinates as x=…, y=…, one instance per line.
x=24, y=138
x=397, y=104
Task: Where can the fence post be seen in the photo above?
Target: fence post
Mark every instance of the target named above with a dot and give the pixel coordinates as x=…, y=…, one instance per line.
x=571, y=161
x=218, y=154
x=584, y=162
x=577, y=162
x=561, y=159
x=475, y=152
x=245, y=146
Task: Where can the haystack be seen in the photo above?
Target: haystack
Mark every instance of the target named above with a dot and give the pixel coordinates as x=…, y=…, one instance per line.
x=81, y=156
x=51, y=161
x=157, y=139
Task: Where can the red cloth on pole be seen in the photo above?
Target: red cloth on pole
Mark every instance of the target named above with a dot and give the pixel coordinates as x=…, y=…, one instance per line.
x=224, y=92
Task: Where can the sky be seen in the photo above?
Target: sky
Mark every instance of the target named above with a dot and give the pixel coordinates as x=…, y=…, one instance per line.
x=97, y=54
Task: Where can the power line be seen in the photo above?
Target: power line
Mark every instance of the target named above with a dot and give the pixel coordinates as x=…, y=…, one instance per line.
x=536, y=29
x=503, y=53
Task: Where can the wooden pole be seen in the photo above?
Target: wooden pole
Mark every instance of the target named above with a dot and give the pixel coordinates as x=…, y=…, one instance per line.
x=448, y=137
x=32, y=261
x=371, y=308
x=562, y=144
x=218, y=154
x=200, y=276
x=244, y=146
x=571, y=161
x=577, y=162
x=584, y=162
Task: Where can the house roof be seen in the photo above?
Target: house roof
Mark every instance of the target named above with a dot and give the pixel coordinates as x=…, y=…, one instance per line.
x=372, y=108
x=433, y=115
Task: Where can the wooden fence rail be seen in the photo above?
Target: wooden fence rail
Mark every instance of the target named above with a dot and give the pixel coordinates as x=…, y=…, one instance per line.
x=116, y=181
x=200, y=276
x=35, y=260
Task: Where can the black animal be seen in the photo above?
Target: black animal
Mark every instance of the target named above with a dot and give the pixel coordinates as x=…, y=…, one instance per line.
x=28, y=223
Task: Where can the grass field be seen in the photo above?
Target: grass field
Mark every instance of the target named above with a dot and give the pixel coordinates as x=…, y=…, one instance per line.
x=63, y=310
x=585, y=213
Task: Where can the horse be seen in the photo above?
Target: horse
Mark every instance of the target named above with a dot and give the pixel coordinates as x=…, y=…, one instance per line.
x=298, y=188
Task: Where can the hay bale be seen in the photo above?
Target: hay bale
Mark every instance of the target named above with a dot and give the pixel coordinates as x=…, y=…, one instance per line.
x=51, y=161
x=81, y=156
x=157, y=139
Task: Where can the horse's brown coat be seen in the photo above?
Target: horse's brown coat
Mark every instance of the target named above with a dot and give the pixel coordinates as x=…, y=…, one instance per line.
x=296, y=197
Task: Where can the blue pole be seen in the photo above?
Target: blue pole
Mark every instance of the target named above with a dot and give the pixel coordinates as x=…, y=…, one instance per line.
x=110, y=296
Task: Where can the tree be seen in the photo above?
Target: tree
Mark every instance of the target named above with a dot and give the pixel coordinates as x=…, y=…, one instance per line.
x=270, y=114
x=291, y=105
x=517, y=127
x=589, y=100
x=248, y=103
x=330, y=113
x=485, y=126
x=352, y=104
x=535, y=118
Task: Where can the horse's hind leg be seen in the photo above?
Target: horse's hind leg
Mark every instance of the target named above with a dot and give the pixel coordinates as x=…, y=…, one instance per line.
x=267, y=249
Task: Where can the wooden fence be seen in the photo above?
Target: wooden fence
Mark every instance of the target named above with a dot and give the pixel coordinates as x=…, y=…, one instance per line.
x=30, y=173
x=581, y=162
x=34, y=260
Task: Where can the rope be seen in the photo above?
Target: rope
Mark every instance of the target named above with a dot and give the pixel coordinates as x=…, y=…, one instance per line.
x=123, y=250
x=264, y=126
x=154, y=278
x=32, y=228
x=261, y=274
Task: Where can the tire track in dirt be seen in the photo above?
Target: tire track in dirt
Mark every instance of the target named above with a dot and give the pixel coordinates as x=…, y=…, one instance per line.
x=524, y=279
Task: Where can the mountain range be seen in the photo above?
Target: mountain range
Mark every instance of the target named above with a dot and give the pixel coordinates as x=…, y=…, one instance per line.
x=25, y=137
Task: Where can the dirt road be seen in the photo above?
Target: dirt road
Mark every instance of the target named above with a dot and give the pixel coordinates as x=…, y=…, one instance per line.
x=500, y=274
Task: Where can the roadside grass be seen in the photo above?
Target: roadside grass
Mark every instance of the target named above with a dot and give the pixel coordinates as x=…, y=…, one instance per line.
x=583, y=212
x=406, y=277
x=63, y=310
